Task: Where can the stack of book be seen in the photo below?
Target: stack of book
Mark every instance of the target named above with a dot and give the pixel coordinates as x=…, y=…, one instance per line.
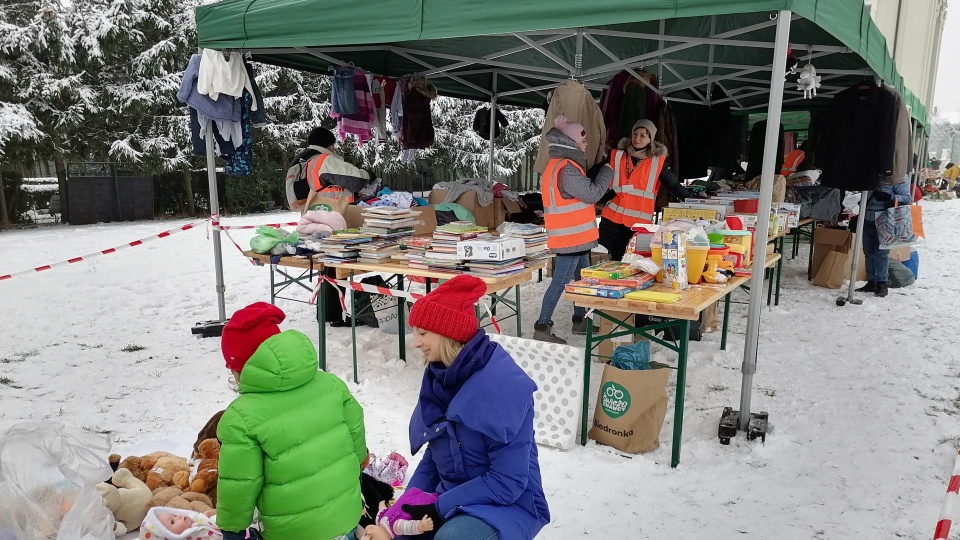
x=378, y=251
x=610, y=288
x=413, y=249
x=442, y=254
x=343, y=246
x=534, y=239
x=495, y=268
x=389, y=223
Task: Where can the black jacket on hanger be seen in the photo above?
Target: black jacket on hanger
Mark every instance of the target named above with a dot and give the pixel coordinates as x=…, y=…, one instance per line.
x=857, y=140
x=755, y=146
x=481, y=123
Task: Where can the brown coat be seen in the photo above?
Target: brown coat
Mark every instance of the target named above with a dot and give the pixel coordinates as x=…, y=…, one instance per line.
x=572, y=100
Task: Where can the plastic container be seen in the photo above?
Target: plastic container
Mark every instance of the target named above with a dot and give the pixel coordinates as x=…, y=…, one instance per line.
x=913, y=263
x=656, y=253
x=696, y=262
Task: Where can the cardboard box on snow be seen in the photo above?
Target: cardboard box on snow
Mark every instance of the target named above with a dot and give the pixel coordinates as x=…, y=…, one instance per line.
x=486, y=216
x=831, y=257
x=494, y=249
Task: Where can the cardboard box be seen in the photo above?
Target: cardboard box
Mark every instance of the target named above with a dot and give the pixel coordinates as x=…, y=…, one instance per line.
x=505, y=207
x=689, y=213
x=675, y=260
x=426, y=221
x=831, y=257
x=493, y=249
x=606, y=347
x=486, y=216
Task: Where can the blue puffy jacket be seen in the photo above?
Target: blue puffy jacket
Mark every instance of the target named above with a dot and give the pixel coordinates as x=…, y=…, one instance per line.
x=482, y=458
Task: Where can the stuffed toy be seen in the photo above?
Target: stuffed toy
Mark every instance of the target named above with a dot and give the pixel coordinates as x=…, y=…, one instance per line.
x=205, y=479
x=127, y=498
x=209, y=431
x=809, y=81
x=175, y=497
x=158, y=469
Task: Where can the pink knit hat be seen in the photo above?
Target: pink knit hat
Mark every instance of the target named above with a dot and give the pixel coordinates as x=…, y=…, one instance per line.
x=571, y=129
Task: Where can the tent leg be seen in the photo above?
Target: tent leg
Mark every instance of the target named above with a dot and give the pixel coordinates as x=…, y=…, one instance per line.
x=749, y=366
x=855, y=259
x=214, y=328
x=493, y=127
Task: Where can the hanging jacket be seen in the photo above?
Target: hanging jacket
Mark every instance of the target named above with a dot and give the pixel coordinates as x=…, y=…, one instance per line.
x=292, y=444
x=218, y=75
x=481, y=456
x=758, y=137
x=417, y=132
x=481, y=123
x=224, y=108
x=633, y=109
x=573, y=100
x=568, y=196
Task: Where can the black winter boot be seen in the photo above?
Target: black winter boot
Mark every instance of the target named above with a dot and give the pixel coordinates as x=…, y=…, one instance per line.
x=580, y=326
x=881, y=289
x=544, y=332
x=871, y=286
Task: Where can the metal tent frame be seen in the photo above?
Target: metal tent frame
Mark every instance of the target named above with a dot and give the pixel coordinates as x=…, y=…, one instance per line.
x=523, y=66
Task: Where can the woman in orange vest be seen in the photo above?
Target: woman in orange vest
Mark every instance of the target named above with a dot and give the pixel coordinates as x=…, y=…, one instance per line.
x=570, y=218
x=640, y=168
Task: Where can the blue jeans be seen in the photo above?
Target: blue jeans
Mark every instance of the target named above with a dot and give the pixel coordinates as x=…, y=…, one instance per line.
x=877, y=262
x=566, y=269
x=343, y=95
x=460, y=527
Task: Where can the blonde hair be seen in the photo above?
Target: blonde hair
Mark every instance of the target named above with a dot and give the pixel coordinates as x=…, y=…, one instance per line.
x=449, y=350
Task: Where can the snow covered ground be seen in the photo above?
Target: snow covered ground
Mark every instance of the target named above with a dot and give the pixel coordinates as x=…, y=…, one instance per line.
x=863, y=400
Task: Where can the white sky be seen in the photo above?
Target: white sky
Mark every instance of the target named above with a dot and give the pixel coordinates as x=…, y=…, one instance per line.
x=947, y=96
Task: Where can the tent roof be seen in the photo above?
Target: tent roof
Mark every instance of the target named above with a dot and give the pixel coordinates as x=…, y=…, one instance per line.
x=699, y=48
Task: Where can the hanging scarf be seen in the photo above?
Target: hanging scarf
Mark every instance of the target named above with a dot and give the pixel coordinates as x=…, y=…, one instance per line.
x=441, y=383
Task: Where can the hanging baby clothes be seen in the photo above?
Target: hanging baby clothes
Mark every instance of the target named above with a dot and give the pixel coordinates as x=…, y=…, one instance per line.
x=418, y=132
x=361, y=124
x=573, y=100
x=219, y=75
x=379, y=106
x=258, y=112
x=240, y=162
x=343, y=98
x=396, y=107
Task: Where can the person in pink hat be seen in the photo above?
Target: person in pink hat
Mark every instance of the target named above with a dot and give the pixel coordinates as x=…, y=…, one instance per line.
x=475, y=419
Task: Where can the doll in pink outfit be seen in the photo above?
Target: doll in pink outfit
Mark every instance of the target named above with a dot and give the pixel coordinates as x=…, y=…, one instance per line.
x=393, y=521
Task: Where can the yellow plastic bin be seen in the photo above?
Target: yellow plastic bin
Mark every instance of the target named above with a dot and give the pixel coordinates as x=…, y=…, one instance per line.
x=696, y=262
x=656, y=253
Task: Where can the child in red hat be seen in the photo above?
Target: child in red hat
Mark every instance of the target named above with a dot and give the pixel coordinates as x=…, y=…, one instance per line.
x=475, y=417
x=292, y=442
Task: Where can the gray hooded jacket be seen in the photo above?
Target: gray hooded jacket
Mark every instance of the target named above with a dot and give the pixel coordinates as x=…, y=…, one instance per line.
x=572, y=183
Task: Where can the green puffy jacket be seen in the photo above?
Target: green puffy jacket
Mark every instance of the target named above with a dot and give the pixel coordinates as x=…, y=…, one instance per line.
x=292, y=445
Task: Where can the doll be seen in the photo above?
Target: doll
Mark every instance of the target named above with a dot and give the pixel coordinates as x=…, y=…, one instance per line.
x=175, y=524
x=393, y=521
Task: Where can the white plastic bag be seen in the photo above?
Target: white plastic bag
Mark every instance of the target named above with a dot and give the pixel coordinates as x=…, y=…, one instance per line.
x=48, y=477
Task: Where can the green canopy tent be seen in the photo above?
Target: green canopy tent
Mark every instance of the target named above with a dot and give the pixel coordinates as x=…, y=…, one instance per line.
x=514, y=52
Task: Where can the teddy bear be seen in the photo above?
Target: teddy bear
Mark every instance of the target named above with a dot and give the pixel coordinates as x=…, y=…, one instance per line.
x=128, y=498
x=205, y=479
x=175, y=497
x=157, y=470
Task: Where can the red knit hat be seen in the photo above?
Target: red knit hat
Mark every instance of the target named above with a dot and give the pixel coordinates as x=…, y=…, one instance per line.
x=247, y=329
x=448, y=310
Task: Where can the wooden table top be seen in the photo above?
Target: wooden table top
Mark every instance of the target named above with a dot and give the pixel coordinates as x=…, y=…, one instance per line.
x=493, y=283
x=695, y=299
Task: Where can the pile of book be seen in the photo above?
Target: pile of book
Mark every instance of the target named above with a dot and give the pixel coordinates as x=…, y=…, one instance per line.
x=611, y=288
x=413, y=248
x=495, y=268
x=378, y=251
x=343, y=246
x=442, y=254
x=389, y=223
x=492, y=256
x=534, y=239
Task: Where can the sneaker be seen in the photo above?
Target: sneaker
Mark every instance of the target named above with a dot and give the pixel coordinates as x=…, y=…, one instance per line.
x=871, y=286
x=881, y=289
x=544, y=332
x=580, y=327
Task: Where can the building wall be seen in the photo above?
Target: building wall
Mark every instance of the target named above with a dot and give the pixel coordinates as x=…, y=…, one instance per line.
x=913, y=29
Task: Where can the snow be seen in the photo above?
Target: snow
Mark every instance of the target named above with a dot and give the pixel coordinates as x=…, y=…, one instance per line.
x=863, y=400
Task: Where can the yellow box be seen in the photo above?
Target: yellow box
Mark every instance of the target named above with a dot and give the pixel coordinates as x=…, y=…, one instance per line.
x=688, y=213
x=744, y=239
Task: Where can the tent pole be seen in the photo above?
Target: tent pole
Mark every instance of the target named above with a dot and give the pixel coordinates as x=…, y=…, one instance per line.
x=857, y=250
x=763, y=223
x=215, y=217
x=578, y=59
x=493, y=126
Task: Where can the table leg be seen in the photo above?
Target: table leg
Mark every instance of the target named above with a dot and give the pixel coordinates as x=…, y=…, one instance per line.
x=273, y=285
x=519, y=317
x=402, y=321
x=322, y=323
x=540, y=276
x=726, y=321
x=779, y=273
x=429, y=284
x=586, y=386
x=353, y=331
x=813, y=228
x=796, y=243
x=770, y=286
x=681, y=391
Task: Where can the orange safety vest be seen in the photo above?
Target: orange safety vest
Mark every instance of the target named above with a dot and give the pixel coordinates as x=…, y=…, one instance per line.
x=569, y=222
x=791, y=162
x=636, y=189
x=330, y=192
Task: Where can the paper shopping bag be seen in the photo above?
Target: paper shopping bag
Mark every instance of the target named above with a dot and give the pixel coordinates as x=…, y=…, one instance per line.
x=895, y=227
x=916, y=220
x=630, y=409
x=834, y=269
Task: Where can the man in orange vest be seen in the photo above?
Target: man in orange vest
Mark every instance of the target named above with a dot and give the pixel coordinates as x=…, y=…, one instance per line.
x=639, y=165
x=319, y=172
x=792, y=161
x=570, y=218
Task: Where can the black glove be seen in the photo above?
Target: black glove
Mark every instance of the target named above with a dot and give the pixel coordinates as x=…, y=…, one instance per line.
x=595, y=170
x=418, y=511
x=882, y=196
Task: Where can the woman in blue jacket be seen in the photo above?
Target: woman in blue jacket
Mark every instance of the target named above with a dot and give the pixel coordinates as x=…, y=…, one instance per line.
x=475, y=417
x=877, y=261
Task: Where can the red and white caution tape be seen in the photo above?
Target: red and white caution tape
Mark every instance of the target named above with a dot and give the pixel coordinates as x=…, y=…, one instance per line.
x=950, y=505
x=383, y=291
x=276, y=225
x=87, y=257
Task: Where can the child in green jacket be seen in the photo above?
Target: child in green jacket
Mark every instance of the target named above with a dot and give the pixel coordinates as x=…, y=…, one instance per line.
x=292, y=442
